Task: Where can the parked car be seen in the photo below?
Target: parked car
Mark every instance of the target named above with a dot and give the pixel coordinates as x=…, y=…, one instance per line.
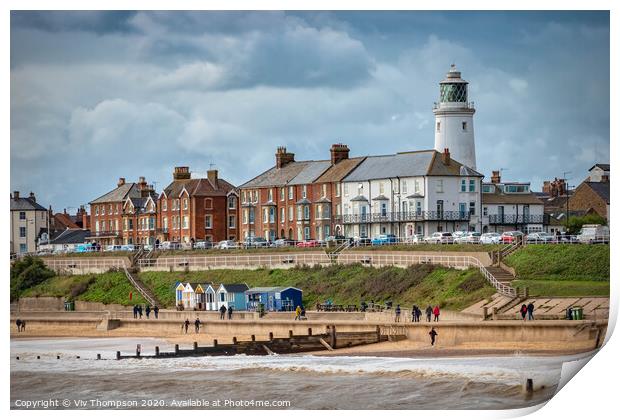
x=128, y=248
x=168, y=245
x=468, y=238
x=439, y=238
x=281, y=243
x=227, y=245
x=490, y=238
x=457, y=234
x=111, y=248
x=539, y=238
x=84, y=248
x=384, y=240
x=309, y=243
x=361, y=241
x=592, y=234
x=255, y=242
x=147, y=247
x=203, y=245
x=415, y=239
x=511, y=237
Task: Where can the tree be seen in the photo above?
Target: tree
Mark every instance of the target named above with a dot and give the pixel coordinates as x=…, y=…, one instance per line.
x=26, y=273
x=576, y=222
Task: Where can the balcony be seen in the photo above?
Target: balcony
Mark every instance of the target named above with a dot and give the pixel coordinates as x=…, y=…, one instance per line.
x=420, y=216
x=517, y=219
x=105, y=234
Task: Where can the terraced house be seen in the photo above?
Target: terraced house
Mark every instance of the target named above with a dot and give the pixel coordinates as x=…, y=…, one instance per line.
x=298, y=200
x=191, y=210
x=140, y=215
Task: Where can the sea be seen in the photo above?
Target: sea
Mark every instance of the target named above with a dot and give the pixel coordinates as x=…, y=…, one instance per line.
x=78, y=380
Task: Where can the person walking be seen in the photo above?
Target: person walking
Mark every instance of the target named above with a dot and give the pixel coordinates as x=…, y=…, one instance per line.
x=418, y=313
x=18, y=323
x=186, y=325
x=197, y=325
x=222, y=311
x=148, y=311
x=297, y=313
x=523, y=311
x=433, y=334
x=436, y=313
x=397, y=313
x=140, y=311
x=23, y=326
x=302, y=315
x=156, y=312
x=429, y=312
x=413, y=313
x=135, y=311
x=530, y=311
x=230, y=312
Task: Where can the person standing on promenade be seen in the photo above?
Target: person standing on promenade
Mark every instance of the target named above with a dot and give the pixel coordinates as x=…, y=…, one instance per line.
x=148, y=311
x=433, y=334
x=156, y=311
x=436, y=313
x=429, y=312
x=413, y=313
x=418, y=314
x=397, y=313
x=135, y=311
x=18, y=323
x=530, y=311
x=140, y=311
x=23, y=326
x=302, y=315
x=197, y=325
x=186, y=325
x=523, y=311
x=230, y=311
x=297, y=313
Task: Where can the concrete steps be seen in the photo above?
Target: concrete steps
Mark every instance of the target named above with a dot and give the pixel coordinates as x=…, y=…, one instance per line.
x=501, y=275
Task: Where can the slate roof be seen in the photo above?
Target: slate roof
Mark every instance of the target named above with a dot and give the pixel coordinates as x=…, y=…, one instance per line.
x=603, y=166
x=601, y=189
x=499, y=197
x=337, y=172
x=418, y=163
x=22, y=204
x=71, y=236
x=310, y=172
x=235, y=288
x=276, y=177
x=129, y=189
x=199, y=187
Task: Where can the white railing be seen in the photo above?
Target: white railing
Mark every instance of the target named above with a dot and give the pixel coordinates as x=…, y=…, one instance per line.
x=237, y=260
x=83, y=263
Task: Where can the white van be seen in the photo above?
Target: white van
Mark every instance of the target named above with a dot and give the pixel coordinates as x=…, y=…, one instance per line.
x=593, y=234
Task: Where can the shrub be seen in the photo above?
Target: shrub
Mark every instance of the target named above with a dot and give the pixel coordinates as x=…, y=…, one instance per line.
x=26, y=273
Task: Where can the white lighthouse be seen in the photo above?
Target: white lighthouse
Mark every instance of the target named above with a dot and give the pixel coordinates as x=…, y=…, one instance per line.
x=454, y=119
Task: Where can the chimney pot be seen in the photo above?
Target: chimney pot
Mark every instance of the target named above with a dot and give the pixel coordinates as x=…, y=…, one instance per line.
x=16, y=195
x=283, y=157
x=445, y=157
x=121, y=181
x=496, y=178
x=339, y=152
x=181, y=172
x=212, y=176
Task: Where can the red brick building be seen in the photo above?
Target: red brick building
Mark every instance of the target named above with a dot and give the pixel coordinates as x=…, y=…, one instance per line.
x=197, y=209
x=296, y=200
x=140, y=216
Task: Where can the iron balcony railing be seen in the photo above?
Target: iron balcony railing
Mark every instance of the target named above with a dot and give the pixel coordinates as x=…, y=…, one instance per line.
x=517, y=219
x=413, y=216
x=104, y=233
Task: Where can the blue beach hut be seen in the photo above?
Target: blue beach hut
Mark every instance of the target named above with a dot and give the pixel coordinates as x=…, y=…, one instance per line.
x=274, y=298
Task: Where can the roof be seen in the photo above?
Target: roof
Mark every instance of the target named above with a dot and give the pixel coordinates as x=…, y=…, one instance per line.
x=603, y=166
x=22, y=204
x=381, y=197
x=235, y=288
x=310, y=172
x=276, y=177
x=359, y=198
x=275, y=289
x=337, y=172
x=303, y=201
x=417, y=163
x=198, y=187
x=65, y=220
x=71, y=236
x=499, y=197
x=129, y=189
x=601, y=189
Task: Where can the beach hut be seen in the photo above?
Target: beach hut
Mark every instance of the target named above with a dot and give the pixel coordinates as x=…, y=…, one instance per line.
x=210, y=298
x=274, y=298
x=232, y=295
x=189, y=296
x=179, y=288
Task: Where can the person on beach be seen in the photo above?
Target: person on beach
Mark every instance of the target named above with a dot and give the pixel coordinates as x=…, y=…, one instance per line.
x=418, y=314
x=436, y=313
x=148, y=311
x=433, y=334
x=413, y=313
x=297, y=313
x=23, y=326
x=302, y=315
x=523, y=311
x=397, y=313
x=197, y=325
x=186, y=325
x=429, y=313
x=18, y=323
x=135, y=311
x=230, y=311
x=156, y=311
x=222, y=311
x=140, y=311
x=530, y=311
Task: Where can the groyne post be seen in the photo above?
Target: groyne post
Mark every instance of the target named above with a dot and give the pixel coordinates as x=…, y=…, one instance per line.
x=310, y=331
x=215, y=343
x=234, y=340
x=270, y=336
x=176, y=349
x=253, y=337
x=332, y=338
x=195, y=345
x=156, y=350
x=118, y=355
x=98, y=356
x=290, y=333
x=529, y=386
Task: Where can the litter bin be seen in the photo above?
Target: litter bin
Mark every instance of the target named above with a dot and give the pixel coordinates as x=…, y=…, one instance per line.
x=69, y=306
x=577, y=313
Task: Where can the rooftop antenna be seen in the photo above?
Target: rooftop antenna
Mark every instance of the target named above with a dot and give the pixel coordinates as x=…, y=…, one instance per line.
x=211, y=165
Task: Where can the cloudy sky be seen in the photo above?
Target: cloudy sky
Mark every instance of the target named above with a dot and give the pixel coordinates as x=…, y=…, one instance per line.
x=98, y=96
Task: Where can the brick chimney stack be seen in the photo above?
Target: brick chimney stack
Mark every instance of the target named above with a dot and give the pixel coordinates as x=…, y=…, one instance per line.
x=16, y=195
x=32, y=197
x=445, y=157
x=283, y=158
x=181, y=172
x=339, y=152
x=212, y=177
x=121, y=182
x=555, y=188
x=85, y=218
x=496, y=178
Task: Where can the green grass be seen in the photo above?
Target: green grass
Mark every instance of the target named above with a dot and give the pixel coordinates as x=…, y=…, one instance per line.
x=112, y=287
x=560, y=288
x=350, y=284
x=561, y=262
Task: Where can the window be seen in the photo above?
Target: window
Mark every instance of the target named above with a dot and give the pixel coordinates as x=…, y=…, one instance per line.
x=381, y=188
x=130, y=224
x=462, y=209
x=110, y=209
x=383, y=209
x=404, y=187
x=304, y=191
x=324, y=186
x=418, y=208
x=416, y=186
x=488, y=188
x=337, y=190
x=472, y=185
x=96, y=212
x=23, y=248
x=306, y=212
x=290, y=213
x=516, y=188
x=251, y=216
x=299, y=212
x=164, y=205
x=282, y=215
x=185, y=201
x=270, y=194
x=232, y=202
x=97, y=226
x=222, y=297
x=185, y=222
x=281, y=194
x=472, y=208
x=485, y=211
x=232, y=222
x=165, y=223
x=103, y=210
x=337, y=209
x=272, y=214
x=208, y=221
x=346, y=190
x=439, y=185
x=265, y=215
x=464, y=125
x=245, y=216
x=22, y=232
x=438, y=126
x=306, y=233
x=22, y=215
x=360, y=189
x=463, y=185
x=290, y=193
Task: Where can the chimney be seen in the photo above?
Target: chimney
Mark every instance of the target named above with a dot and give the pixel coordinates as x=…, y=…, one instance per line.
x=181, y=172
x=212, y=177
x=339, y=152
x=85, y=218
x=445, y=157
x=604, y=178
x=496, y=178
x=64, y=211
x=142, y=183
x=283, y=158
x=16, y=195
x=121, y=182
